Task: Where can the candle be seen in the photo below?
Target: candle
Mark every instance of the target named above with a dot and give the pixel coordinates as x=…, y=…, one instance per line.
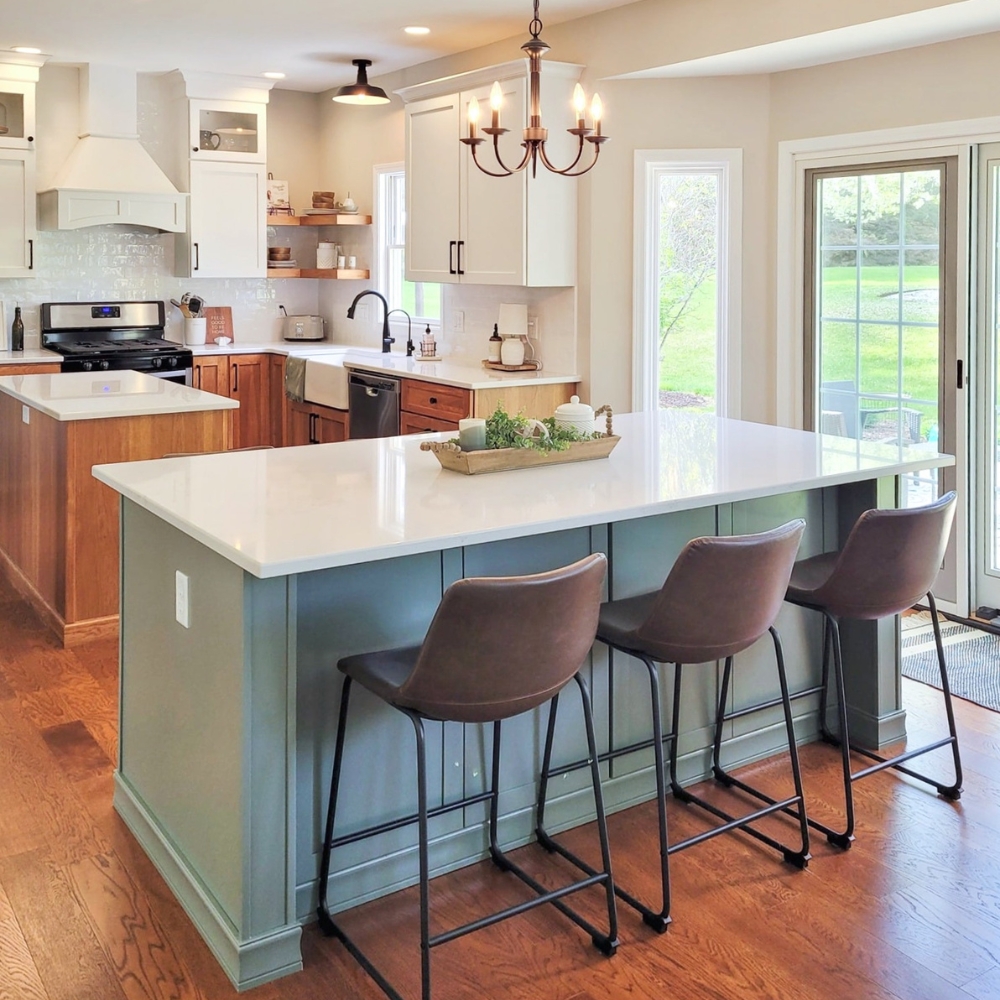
x=580, y=104
x=496, y=102
x=473, y=117
x=597, y=112
x=472, y=434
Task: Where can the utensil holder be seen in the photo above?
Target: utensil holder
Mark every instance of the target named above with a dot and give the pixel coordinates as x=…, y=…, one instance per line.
x=195, y=330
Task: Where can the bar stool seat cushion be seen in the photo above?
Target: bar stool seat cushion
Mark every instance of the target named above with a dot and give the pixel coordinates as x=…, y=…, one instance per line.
x=809, y=575
x=383, y=673
x=620, y=620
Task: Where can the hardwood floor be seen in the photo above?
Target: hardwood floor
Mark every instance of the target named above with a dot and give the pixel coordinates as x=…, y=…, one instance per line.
x=912, y=912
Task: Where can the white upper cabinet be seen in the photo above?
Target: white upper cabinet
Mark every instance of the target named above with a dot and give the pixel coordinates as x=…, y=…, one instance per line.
x=17, y=213
x=465, y=226
x=227, y=229
x=228, y=130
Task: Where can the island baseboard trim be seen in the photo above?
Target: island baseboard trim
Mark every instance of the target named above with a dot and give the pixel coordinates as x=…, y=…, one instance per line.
x=247, y=963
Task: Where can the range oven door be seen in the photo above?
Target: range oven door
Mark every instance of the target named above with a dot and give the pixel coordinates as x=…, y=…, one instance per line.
x=183, y=376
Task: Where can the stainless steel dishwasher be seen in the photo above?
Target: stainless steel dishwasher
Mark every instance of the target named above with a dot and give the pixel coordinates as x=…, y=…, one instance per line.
x=373, y=404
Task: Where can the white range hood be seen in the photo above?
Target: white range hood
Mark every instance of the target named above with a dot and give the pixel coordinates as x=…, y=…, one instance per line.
x=109, y=177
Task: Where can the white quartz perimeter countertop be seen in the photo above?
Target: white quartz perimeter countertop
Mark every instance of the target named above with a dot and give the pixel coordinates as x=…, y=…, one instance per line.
x=448, y=373
x=364, y=500
x=100, y=395
x=29, y=356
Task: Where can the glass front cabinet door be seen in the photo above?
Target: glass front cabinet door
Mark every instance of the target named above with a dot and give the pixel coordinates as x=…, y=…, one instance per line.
x=17, y=114
x=228, y=130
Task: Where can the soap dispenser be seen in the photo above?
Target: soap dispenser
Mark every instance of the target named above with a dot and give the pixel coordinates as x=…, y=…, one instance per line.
x=495, y=343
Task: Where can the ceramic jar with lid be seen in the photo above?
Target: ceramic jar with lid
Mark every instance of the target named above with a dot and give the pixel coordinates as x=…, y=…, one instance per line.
x=575, y=415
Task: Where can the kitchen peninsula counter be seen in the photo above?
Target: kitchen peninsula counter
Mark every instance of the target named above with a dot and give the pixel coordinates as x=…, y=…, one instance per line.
x=298, y=557
x=58, y=526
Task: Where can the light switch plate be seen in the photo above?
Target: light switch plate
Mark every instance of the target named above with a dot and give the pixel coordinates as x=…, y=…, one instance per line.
x=182, y=599
x=458, y=321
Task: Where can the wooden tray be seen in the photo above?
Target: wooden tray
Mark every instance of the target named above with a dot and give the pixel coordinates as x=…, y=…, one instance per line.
x=472, y=463
x=528, y=366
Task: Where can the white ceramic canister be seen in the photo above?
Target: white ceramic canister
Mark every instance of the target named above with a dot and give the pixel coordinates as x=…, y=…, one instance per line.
x=512, y=351
x=575, y=415
x=195, y=329
x=326, y=256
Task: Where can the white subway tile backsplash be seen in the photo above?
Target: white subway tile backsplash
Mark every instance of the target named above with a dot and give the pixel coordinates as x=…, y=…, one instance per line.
x=125, y=262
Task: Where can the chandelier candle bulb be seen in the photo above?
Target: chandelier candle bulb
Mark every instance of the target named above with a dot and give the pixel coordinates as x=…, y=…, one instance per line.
x=473, y=117
x=580, y=104
x=597, y=112
x=496, y=102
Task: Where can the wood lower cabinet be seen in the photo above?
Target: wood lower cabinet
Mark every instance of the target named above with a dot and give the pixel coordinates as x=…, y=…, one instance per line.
x=40, y=369
x=310, y=423
x=249, y=382
x=433, y=399
x=211, y=374
x=246, y=378
x=417, y=423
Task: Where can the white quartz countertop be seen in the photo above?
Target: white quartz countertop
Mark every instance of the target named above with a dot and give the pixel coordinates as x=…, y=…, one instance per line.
x=464, y=376
x=293, y=510
x=100, y=395
x=30, y=356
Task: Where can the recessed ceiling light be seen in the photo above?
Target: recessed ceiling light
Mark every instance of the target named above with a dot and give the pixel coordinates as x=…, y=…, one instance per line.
x=416, y=29
x=27, y=50
x=275, y=76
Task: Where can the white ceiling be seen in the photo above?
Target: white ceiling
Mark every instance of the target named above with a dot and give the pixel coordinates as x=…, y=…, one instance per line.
x=312, y=41
x=923, y=27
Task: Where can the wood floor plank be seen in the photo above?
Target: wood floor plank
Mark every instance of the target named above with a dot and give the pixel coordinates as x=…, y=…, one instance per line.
x=144, y=959
x=19, y=979
x=986, y=986
x=69, y=959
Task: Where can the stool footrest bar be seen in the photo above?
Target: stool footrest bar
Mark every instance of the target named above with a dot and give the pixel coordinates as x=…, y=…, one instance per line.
x=576, y=765
x=739, y=713
x=884, y=762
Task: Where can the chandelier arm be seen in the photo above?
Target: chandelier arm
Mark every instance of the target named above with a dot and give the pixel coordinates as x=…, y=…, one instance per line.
x=567, y=171
x=491, y=173
x=526, y=159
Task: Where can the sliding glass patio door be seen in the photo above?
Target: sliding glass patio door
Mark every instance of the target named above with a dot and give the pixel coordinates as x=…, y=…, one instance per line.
x=879, y=317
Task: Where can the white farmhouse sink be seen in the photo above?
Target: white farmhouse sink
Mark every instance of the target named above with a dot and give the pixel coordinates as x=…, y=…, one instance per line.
x=326, y=376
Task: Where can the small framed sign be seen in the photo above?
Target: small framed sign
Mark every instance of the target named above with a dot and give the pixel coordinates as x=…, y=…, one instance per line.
x=277, y=197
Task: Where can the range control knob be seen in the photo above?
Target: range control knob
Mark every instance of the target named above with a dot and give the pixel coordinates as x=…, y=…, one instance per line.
x=87, y=365
x=157, y=362
x=172, y=362
x=105, y=365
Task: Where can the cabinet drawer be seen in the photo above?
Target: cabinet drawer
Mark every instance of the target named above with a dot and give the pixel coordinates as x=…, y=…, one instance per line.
x=434, y=400
x=417, y=423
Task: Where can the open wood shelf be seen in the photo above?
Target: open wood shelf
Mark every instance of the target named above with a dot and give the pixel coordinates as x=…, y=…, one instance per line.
x=319, y=220
x=315, y=272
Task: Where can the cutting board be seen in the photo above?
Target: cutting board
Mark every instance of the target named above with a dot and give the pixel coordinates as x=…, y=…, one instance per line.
x=220, y=323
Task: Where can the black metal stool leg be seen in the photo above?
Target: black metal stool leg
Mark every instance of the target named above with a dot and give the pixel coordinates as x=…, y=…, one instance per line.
x=543, y=781
x=323, y=912
x=845, y=838
x=954, y=791
x=607, y=944
x=422, y=837
x=496, y=854
x=800, y=858
x=675, y=722
x=824, y=697
x=659, y=921
x=720, y=720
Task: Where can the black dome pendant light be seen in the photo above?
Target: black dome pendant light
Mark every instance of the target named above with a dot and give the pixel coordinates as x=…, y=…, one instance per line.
x=361, y=91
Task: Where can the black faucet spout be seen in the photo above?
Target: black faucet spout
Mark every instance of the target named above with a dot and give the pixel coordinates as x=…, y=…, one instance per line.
x=387, y=341
x=410, y=348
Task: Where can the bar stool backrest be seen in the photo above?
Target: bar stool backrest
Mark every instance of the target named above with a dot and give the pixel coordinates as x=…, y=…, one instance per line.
x=721, y=596
x=499, y=646
x=890, y=561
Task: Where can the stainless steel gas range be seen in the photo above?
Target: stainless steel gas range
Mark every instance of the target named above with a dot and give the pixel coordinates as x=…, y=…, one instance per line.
x=112, y=336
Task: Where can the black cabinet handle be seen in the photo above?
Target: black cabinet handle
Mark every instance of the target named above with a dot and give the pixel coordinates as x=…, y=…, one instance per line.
x=236, y=377
x=451, y=257
x=197, y=257
x=31, y=255
x=313, y=419
x=31, y=138
x=461, y=246
x=960, y=384
x=434, y=400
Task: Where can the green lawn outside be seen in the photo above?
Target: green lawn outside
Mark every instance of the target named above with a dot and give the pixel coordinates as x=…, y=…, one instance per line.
x=688, y=364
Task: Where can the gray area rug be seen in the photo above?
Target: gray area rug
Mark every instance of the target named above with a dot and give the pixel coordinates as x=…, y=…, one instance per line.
x=972, y=658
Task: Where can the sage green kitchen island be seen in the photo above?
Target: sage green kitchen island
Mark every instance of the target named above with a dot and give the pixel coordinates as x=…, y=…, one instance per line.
x=297, y=557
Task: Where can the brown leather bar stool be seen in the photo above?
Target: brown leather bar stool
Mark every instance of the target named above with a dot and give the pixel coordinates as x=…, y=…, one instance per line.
x=888, y=563
x=473, y=667
x=680, y=624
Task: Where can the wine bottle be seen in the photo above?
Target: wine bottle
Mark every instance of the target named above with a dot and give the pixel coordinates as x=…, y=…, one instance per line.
x=17, y=331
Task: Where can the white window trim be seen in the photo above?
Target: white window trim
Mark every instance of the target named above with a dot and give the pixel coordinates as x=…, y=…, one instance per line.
x=650, y=164
x=396, y=322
